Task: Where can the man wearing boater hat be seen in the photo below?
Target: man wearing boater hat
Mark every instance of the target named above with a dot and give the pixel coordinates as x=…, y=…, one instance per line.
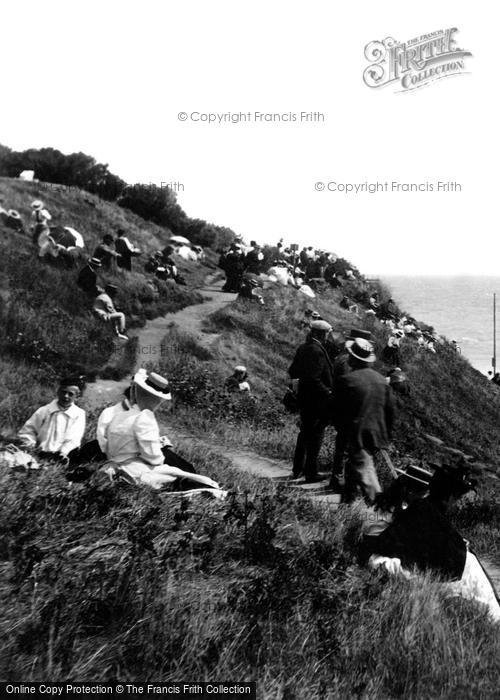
x=341, y=367
x=133, y=441
x=313, y=369
x=363, y=412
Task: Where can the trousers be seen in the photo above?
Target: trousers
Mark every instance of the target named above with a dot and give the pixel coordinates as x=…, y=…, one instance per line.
x=338, y=457
x=360, y=471
x=309, y=441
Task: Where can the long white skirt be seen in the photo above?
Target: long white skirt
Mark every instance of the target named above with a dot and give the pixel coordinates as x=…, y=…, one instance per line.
x=163, y=475
x=474, y=584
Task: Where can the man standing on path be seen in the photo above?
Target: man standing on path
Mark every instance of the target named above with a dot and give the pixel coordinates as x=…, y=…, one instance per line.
x=313, y=370
x=341, y=367
x=363, y=412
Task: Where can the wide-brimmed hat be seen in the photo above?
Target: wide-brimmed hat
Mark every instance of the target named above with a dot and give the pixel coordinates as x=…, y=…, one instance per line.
x=13, y=214
x=95, y=261
x=362, y=350
x=37, y=204
x=316, y=315
x=416, y=475
x=153, y=383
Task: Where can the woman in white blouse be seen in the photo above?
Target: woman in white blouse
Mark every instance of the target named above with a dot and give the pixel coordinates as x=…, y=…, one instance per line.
x=133, y=440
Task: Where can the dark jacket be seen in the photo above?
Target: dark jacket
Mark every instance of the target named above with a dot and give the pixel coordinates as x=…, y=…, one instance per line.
x=363, y=409
x=87, y=280
x=105, y=254
x=341, y=366
x=312, y=367
x=420, y=536
x=252, y=262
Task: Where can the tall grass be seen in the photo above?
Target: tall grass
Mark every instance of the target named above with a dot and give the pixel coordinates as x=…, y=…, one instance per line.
x=261, y=587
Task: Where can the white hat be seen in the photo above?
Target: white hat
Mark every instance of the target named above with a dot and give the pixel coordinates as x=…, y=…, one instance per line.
x=37, y=204
x=362, y=350
x=240, y=368
x=153, y=384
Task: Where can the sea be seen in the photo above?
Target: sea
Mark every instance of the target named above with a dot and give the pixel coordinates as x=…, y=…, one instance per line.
x=460, y=308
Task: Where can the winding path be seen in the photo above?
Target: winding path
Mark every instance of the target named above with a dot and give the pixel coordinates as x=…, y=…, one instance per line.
x=103, y=392
x=190, y=320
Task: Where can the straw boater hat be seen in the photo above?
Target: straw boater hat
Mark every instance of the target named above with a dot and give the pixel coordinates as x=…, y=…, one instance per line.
x=96, y=262
x=37, y=204
x=362, y=350
x=240, y=368
x=154, y=384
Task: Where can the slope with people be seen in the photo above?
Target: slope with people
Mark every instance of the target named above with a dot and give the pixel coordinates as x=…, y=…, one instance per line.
x=260, y=561
x=54, y=326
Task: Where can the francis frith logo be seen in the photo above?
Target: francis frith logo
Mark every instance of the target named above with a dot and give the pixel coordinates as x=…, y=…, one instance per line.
x=414, y=63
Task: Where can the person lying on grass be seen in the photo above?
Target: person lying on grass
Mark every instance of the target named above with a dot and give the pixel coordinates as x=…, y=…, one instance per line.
x=57, y=428
x=134, y=445
x=412, y=531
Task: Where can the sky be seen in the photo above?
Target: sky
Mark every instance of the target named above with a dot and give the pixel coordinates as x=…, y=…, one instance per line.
x=111, y=78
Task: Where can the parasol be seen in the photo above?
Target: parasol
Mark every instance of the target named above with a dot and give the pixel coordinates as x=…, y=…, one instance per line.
x=180, y=239
x=67, y=236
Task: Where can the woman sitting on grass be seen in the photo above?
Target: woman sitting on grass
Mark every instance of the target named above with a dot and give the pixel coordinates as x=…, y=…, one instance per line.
x=410, y=530
x=134, y=445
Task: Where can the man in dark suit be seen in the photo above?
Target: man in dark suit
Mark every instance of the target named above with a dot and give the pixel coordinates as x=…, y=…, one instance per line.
x=341, y=367
x=363, y=412
x=313, y=370
x=87, y=278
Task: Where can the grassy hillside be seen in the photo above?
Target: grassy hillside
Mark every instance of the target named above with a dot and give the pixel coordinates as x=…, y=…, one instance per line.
x=105, y=583
x=48, y=326
x=448, y=397
x=129, y=585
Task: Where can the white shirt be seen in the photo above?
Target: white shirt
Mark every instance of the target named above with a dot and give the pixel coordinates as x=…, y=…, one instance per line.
x=40, y=215
x=129, y=245
x=103, y=305
x=134, y=435
x=105, y=419
x=53, y=429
